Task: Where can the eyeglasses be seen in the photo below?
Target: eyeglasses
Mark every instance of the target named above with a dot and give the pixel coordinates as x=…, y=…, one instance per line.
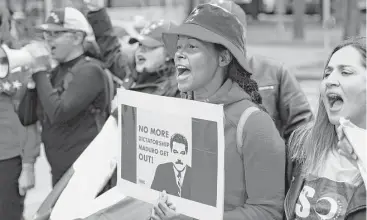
x=52, y=35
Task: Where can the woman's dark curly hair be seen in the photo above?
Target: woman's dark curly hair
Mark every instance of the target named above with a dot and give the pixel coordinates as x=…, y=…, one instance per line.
x=243, y=78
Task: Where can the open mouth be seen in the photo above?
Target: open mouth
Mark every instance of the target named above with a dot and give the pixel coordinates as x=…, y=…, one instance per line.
x=140, y=59
x=335, y=101
x=181, y=69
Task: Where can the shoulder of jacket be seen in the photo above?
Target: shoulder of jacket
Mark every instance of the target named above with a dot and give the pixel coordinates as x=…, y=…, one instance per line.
x=89, y=63
x=234, y=111
x=262, y=65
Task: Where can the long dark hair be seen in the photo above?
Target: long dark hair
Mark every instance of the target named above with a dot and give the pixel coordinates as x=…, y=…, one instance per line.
x=243, y=78
x=310, y=144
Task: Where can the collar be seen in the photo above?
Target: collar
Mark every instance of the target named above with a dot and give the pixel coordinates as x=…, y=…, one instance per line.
x=182, y=172
x=230, y=92
x=164, y=71
x=144, y=78
x=72, y=62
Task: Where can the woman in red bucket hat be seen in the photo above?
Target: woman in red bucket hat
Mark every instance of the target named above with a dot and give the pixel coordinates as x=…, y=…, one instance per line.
x=209, y=56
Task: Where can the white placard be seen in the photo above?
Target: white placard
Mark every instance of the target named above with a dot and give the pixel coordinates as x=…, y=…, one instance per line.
x=174, y=145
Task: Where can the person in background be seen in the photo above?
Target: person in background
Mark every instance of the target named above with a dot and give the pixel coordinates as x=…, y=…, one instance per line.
x=68, y=100
x=210, y=58
x=19, y=145
x=5, y=28
x=282, y=95
x=329, y=177
x=153, y=70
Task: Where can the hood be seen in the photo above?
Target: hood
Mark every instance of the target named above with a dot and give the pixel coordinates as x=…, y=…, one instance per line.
x=230, y=92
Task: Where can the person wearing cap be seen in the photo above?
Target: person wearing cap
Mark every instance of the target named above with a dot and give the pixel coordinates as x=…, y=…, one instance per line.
x=19, y=145
x=282, y=95
x=210, y=58
x=68, y=100
x=153, y=70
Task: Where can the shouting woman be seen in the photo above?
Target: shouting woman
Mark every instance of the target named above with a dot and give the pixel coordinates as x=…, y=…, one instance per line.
x=330, y=166
x=211, y=67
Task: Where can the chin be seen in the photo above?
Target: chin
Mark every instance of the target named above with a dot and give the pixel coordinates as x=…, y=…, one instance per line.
x=179, y=167
x=139, y=69
x=186, y=87
x=334, y=119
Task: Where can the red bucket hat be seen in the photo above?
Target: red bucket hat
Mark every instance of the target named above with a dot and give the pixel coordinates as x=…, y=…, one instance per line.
x=211, y=23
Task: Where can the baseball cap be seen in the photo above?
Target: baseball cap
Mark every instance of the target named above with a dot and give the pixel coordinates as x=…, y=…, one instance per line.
x=67, y=19
x=211, y=23
x=151, y=35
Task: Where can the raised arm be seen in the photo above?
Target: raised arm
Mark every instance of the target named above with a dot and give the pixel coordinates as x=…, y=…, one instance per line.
x=86, y=84
x=115, y=59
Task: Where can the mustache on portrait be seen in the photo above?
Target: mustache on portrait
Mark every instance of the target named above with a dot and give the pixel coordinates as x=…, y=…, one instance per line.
x=179, y=162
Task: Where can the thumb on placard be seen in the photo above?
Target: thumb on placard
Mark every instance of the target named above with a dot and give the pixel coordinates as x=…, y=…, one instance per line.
x=163, y=196
x=21, y=190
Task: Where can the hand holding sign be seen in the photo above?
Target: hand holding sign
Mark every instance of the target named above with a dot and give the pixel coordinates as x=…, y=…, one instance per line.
x=164, y=210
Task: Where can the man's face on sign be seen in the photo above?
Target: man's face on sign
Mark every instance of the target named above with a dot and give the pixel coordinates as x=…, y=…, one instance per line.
x=179, y=155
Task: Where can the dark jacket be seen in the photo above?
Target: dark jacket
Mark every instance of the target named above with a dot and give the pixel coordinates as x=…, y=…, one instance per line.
x=282, y=95
x=163, y=82
x=165, y=179
x=355, y=211
x=63, y=106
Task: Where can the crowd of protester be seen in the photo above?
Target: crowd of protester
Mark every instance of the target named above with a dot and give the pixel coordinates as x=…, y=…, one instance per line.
x=289, y=160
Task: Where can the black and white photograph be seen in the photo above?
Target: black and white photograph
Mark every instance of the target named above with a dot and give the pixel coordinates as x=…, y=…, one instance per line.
x=183, y=109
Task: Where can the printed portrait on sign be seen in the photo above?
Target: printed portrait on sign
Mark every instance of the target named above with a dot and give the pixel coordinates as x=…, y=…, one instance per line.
x=171, y=153
x=174, y=176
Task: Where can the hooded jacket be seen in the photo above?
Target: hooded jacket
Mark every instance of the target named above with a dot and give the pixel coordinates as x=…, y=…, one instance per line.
x=254, y=179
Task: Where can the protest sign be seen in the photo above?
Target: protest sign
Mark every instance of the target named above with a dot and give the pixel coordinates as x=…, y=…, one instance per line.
x=174, y=145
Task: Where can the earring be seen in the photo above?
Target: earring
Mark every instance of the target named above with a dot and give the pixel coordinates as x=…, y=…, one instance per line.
x=168, y=59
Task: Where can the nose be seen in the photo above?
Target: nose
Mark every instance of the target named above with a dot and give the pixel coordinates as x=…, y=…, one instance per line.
x=179, y=55
x=142, y=49
x=48, y=40
x=332, y=80
x=139, y=50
